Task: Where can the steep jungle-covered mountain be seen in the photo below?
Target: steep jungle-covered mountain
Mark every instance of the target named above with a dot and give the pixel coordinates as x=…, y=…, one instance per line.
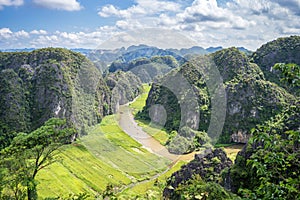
x=251, y=99
x=266, y=168
x=283, y=50
x=124, y=87
x=51, y=82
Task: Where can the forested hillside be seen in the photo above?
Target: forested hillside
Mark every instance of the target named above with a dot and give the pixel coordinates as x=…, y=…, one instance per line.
x=251, y=99
x=283, y=50
x=53, y=82
x=50, y=83
x=268, y=165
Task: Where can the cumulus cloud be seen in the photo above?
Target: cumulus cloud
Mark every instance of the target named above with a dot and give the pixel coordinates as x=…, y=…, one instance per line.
x=209, y=11
x=91, y=39
x=10, y=39
x=68, y=5
x=38, y=32
x=142, y=7
x=292, y=5
x=5, y=33
x=41, y=38
x=22, y=34
x=208, y=22
x=236, y=22
x=10, y=3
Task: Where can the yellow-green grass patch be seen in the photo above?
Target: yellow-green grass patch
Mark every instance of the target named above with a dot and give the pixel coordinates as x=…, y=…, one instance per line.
x=143, y=188
x=113, y=146
x=233, y=150
x=140, y=102
x=77, y=171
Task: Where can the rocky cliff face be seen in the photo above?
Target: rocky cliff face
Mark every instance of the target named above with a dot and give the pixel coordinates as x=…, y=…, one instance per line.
x=283, y=50
x=146, y=68
x=250, y=99
x=48, y=83
x=124, y=86
x=207, y=165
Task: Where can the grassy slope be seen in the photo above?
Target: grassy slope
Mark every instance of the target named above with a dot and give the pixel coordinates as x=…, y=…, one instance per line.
x=140, y=102
x=153, y=185
x=121, y=151
x=105, y=155
x=77, y=171
x=157, y=133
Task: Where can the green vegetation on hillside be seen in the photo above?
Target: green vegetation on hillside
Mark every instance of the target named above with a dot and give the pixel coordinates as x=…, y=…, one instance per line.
x=52, y=162
x=282, y=50
x=250, y=98
x=78, y=171
x=146, y=68
x=27, y=155
x=269, y=166
x=106, y=156
x=290, y=75
x=155, y=131
x=110, y=144
x=124, y=87
x=50, y=82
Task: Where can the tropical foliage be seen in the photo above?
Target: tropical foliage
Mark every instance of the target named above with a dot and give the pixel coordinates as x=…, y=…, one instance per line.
x=27, y=155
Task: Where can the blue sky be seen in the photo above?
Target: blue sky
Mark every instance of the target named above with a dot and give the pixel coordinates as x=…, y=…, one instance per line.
x=89, y=23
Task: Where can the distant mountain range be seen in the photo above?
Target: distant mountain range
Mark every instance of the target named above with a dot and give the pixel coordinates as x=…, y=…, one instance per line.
x=182, y=51
x=122, y=58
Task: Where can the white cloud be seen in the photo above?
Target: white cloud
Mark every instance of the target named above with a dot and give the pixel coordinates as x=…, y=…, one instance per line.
x=22, y=34
x=11, y=3
x=292, y=5
x=10, y=39
x=111, y=10
x=235, y=23
x=5, y=33
x=73, y=39
x=207, y=13
x=68, y=5
x=255, y=7
x=142, y=7
x=38, y=32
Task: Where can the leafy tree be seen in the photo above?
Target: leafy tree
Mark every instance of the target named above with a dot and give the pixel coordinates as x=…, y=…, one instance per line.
x=109, y=192
x=270, y=166
x=29, y=153
x=274, y=167
x=196, y=188
x=290, y=74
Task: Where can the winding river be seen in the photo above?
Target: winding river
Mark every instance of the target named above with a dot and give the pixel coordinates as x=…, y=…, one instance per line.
x=129, y=126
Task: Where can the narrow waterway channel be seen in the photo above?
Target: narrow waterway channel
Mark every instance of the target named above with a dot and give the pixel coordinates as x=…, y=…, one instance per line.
x=130, y=126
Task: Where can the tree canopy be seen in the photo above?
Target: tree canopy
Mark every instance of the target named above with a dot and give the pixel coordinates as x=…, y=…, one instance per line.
x=27, y=155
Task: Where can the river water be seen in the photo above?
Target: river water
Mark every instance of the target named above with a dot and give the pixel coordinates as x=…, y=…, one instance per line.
x=129, y=126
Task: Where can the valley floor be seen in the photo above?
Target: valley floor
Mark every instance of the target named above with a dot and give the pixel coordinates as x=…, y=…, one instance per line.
x=119, y=152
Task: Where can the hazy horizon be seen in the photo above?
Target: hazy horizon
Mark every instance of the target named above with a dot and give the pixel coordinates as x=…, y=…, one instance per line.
x=89, y=24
